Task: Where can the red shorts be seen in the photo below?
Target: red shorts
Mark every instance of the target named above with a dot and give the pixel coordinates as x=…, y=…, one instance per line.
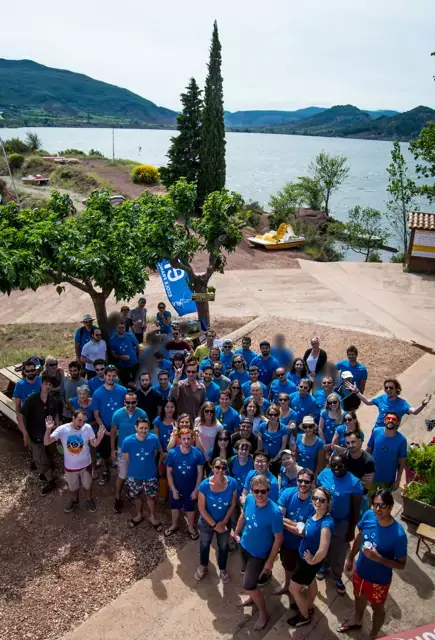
x=375, y=593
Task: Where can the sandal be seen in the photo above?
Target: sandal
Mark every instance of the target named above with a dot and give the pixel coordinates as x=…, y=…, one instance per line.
x=134, y=523
x=169, y=532
x=344, y=628
x=194, y=535
x=157, y=527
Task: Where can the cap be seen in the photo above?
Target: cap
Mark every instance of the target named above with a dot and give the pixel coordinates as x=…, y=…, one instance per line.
x=227, y=343
x=290, y=453
x=87, y=317
x=246, y=420
x=266, y=342
x=308, y=420
x=346, y=374
x=142, y=299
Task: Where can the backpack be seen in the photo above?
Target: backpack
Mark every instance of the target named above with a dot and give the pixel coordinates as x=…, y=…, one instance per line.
x=38, y=361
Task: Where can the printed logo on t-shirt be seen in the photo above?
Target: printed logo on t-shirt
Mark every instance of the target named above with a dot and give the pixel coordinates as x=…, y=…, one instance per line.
x=371, y=538
x=140, y=454
x=75, y=444
x=250, y=520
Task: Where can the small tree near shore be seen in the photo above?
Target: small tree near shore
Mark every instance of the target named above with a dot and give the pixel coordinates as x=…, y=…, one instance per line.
x=402, y=191
x=363, y=232
x=330, y=172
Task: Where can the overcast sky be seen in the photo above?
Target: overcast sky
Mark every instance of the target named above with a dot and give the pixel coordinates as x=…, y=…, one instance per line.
x=279, y=54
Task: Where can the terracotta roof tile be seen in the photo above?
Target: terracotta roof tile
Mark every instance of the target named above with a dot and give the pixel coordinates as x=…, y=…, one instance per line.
x=421, y=220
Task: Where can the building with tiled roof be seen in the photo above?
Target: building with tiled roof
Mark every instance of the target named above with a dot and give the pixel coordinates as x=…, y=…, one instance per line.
x=421, y=220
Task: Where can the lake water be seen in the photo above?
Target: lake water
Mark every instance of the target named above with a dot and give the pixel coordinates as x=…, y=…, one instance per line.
x=258, y=165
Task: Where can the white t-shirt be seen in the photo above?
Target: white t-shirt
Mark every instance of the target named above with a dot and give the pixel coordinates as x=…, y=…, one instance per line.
x=207, y=435
x=94, y=351
x=75, y=445
x=312, y=363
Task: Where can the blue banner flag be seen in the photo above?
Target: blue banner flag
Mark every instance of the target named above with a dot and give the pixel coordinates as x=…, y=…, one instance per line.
x=176, y=283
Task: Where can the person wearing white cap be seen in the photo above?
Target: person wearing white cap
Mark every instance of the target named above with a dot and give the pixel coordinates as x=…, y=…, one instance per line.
x=349, y=398
x=83, y=334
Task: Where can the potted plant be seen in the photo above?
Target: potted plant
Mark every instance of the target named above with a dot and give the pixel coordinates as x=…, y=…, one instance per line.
x=419, y=502
x=420, y=463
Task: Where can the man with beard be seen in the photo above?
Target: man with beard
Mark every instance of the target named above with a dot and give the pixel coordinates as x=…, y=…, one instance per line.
x=218, y=378
x=148, y=399
x=245, y=433
x=30, y=383
x=211, y=388
x=389, y=450
x=189, y=393
x=267, y=364
x=69, y=388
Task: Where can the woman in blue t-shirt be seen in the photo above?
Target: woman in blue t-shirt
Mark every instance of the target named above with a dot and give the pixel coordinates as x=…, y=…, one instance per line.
x=298, y=371
x=382, y=546
x=313, y=550
x=165, y=422
x=222, y=447
x=350, y=425
x=288, y=472
x=273, y=437
x=163, y=319
x=217, y=497
x=310, y=449
x=330, y=417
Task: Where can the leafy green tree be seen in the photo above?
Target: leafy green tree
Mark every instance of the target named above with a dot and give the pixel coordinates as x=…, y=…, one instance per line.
x=15, y=145
x=311, y=193
x=330, y=172
x=171, y=231
x=184, y=151
x=424, y=153
x=212, y=154
x=33, y=141
x=363, y=232
x=402, y=191
x=100, y=250
x=284, y=204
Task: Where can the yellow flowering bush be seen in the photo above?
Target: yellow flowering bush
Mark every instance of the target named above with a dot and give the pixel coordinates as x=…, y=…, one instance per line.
x=145, y=174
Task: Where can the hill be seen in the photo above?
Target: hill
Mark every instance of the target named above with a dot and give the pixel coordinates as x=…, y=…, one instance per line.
x=35, y=95
x=268, y=118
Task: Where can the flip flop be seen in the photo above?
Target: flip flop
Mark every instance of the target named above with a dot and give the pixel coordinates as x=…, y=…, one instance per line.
x=344, y=628
x=194, y=535
x=169, y=532
x=157, y=527
x=134, y=523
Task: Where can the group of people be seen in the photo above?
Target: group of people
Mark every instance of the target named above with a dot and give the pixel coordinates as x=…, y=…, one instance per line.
x=266, y=448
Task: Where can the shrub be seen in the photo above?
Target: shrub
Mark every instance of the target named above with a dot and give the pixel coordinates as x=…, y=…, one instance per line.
x=71, y=153
x=145, y=174
x=36, y=164
x=398, y=258
x=16, y=161
x=76, y=179
x=15, y=145
x=95, y=153
x=33, y=141
x=424, y=492
x=253, y=210
x=421, y=460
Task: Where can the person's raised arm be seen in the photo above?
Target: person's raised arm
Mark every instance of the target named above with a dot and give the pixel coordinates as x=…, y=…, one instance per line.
x=96, y=441
x=414, y=411
x=354, y=389
x=174, y=392
x=49, y=426
x=321, y=425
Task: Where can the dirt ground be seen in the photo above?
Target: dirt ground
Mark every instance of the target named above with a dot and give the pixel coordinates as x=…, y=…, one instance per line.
x=383, y=357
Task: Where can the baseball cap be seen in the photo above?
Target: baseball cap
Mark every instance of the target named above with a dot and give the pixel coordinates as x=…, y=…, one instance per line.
x=246, y=420
x=142, y=299
x=227, y=343
x=87, y=317
x=266, y=342
x=346, y=375
x=290, y=453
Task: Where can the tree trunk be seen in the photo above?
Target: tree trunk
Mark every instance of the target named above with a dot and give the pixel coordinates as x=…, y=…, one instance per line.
x=328, y=194
x=200, y=284
x=99, y=301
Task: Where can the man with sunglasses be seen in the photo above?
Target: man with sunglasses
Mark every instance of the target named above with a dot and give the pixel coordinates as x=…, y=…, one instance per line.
x=320, y=396
x=94, y=349
x=296, y=507
x=281, y=384
x=261, y=468
x=389, y=449
x=123, y=425
x=98, y=380
x=267, y=364
x=189, y=393
x=254, y=375
x=246, y=351
x=346, y=491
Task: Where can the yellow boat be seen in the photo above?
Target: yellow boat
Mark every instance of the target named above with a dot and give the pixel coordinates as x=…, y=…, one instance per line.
x=284, y=238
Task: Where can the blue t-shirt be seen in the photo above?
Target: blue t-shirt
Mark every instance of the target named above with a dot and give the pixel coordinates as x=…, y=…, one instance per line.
x=286, y=482
x=227, y=359
x=248, y=355
x=241, y=376
x=23, y=389
x=95, y=383
x=266, y=367
x=126, y=423
x=295, y=378
x=74, y=402
x=303, y=405
x=239, y=472
x=229, y=420
x=125, y=346
x=107, y=402
x=82, y=336
x=283, y=355
x=313, y=529
x=274, y=486
x=261, y=526
x=359, y=371
x=164, y=328
x=272, y=440
x=320, y=398
x=386, y=453
x=217, y=504
x=341, y=430
x=342, y=490
x=329, y=426
x=307, y=454
x=184, y=467
x=297, y=510
x=292, y=417
x=163, y=392
x=142, y=458
x=390, y=542
x=384, y=405
x=165, y=432
x=264, y=406
x=278, y=387
x=246, y=388
x=212, y=392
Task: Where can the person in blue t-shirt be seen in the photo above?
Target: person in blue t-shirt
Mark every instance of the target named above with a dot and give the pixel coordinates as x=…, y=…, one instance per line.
x=299, y=371
x=281, y=384
x=106, y=400
x=256, y=394
x=246, y=351
x=267, y=364
x=165, y=422
x=125, y=348
x=254, y=374
x=227, y=355
x=281, y=353
x=321, y=394
x=330, y=417
x=389, y=450
x=313, y=549
x=140, y=452
x=261, y=468
x=213, y=356
x=382, y=546
x=83, y=334
x=296, y=507
x=273, y=437
x=185, y=469
x=30, y=383
x=262, y=524
x=217, y=498
x=350, y=425
x=212, y=390
x=302, y=402
x=346, y=491
x=357, y=369
x=163, y=319
x=390, y=401
x=163, y=387
x=225, y=414
x=288, y=471
x=310, y=449
x=238, y=370
x=97, y=381
x=241, y=464
x=123, y=425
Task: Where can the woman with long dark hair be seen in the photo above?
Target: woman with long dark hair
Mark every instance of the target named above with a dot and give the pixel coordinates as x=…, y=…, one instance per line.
x=298, y=371
x=350, y=425
x=222, y=447
x=237, y=397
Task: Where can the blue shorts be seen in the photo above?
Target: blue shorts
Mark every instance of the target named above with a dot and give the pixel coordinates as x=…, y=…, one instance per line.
x=184, y=502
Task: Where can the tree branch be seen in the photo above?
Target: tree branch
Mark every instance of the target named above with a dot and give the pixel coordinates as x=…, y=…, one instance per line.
x=179, y=264
x=59, y=277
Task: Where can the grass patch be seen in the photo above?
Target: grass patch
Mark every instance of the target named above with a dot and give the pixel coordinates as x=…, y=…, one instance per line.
x=122, y=164
x=35, y=164
x=20, y=341
x=75, y=178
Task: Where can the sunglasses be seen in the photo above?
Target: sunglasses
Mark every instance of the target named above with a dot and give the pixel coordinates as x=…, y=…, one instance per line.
x=262, y=492
x=348, y=420
x=191, y=371
x=281, y=375
x=302, y=481
x=307, y=426
x=27, y=371
x=389, y=388
x=317, y=499
x=218, y=467
x=392, y=419
x=97, y=335
x=223, y=439
x=243, y=448
x=332, y=402
x=379, y=505
x=282, y=400
x=208, y=410
x=237, y=361
x=337, y=466
x=304, y=388
x=273, y=415
x=326, y=382
x=52, y=364
x=131, y=402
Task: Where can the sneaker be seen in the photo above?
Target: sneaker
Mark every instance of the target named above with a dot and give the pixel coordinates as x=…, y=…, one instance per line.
x=298, y=620
x=117, y=507
x=294, y=607
x=92, y=507
x=225, y=578
x=48, y=486
x=32, y=466
x=242, y=571
x=263, y=580
x=200, y=573
x=105, y=478
x=95, y=474
x=320, y=575
x=339, y=585
x=71, y=505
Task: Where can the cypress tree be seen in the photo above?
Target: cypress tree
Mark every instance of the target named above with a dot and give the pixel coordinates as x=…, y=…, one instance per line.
x=212, y=154
x=184, y=151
